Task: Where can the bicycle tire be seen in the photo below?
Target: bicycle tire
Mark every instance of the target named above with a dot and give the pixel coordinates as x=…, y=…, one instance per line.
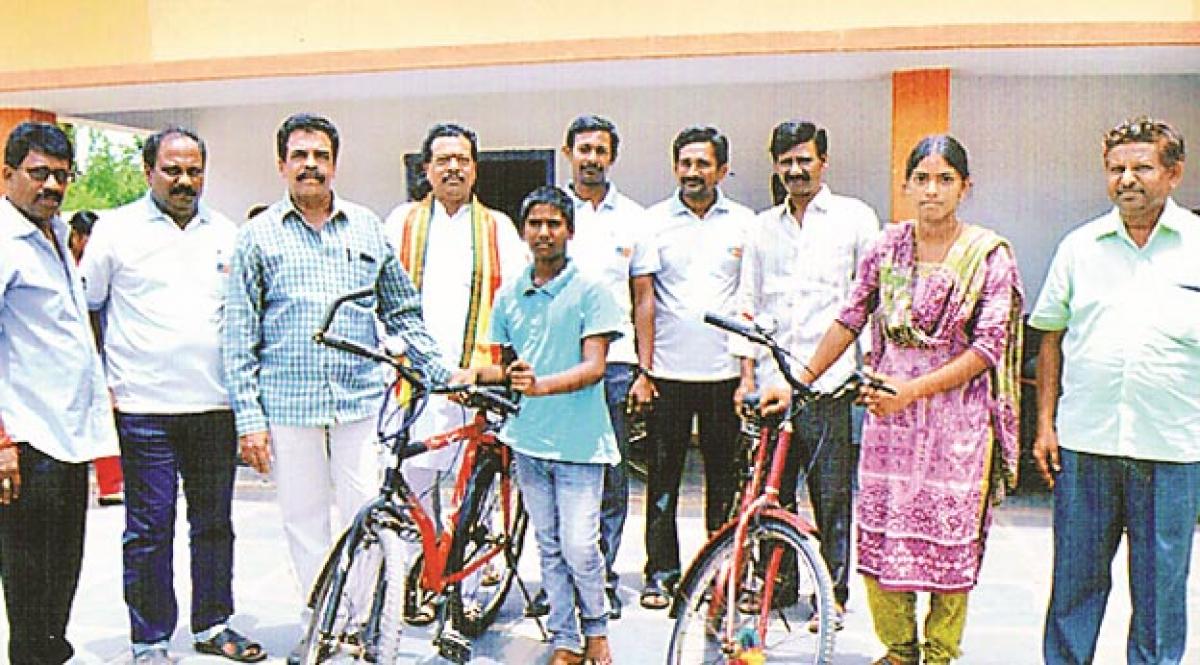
x=473, y=604
x=391, y=610
x=697, y=636
x=338, y=618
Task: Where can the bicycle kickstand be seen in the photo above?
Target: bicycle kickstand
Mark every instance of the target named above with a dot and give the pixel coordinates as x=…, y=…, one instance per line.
x=512, y=563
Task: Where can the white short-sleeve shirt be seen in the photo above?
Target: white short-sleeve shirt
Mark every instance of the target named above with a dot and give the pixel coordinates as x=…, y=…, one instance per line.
x=700, y=263
x=162, y=289
x=612, y=245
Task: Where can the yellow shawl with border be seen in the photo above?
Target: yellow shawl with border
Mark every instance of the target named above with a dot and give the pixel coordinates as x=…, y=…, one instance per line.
x=477, y=351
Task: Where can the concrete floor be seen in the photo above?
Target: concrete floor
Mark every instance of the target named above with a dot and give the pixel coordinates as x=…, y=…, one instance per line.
x=1004, y=623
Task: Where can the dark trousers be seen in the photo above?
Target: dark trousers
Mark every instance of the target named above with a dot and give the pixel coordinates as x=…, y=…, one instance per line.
x=41, y=550
x=156, y=451
x=669, y=430
x=1096, y=499
x=615, y=503
x=830, y=482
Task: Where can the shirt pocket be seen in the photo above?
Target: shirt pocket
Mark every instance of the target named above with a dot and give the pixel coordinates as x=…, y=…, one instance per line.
x=1175, y=312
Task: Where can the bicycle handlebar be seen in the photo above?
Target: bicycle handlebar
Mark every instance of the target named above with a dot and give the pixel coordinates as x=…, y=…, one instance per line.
x=755, y=333
x=474, y=396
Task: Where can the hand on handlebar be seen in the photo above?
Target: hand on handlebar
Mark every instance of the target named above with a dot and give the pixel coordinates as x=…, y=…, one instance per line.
x=775, y=399
x=462, y=377
x=893, y=396
x=521, y=377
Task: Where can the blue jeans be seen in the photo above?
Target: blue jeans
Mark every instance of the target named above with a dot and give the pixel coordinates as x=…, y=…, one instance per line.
x=41, y=552
x=156, y=451
x=563, y=500
x=615, y=506
x=1096, y=497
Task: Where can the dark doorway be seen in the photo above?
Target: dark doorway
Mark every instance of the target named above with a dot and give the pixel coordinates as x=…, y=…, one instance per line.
x=504, y=176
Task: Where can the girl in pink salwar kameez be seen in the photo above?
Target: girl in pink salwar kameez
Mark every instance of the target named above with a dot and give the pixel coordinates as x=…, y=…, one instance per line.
x=942, y=300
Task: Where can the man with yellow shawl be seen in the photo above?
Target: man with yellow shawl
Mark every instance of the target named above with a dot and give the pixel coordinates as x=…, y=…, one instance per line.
x=457, y=252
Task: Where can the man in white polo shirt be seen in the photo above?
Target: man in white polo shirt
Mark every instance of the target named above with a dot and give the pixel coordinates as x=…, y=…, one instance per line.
x=612, y=243
x=699, y=238
x=156, y=269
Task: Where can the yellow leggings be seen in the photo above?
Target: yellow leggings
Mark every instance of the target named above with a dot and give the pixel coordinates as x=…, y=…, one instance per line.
x=895, y=616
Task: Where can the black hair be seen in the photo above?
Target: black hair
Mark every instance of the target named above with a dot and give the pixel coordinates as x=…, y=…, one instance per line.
x=44, y=137
x=450, y=129
x=549, y=195
x=305, y=122
x=944, y=145
x=702, y=134
x=791, y=133
x=154, y=142
x=1144, y=129
x=593, y=123
x=83, y=221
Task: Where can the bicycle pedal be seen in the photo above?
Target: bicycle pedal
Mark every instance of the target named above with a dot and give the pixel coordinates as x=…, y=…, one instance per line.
x=454, y=647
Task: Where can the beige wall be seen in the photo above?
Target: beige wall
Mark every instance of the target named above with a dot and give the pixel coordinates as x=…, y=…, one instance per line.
x=1033, y=141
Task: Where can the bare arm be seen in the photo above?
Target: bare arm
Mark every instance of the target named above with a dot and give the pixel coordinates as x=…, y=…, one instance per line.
x=1049, y=374
x=590, y=370
x=642, y=288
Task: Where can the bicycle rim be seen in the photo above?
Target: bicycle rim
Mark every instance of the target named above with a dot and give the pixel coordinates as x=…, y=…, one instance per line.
x=475, y=601
x=770, y=604
x=342, y=620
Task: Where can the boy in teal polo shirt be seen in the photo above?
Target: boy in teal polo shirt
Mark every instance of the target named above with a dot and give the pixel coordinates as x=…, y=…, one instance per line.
x=559, y=324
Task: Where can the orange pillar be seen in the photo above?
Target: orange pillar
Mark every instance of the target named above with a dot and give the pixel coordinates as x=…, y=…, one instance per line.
x=920, y=106
x=10, y=118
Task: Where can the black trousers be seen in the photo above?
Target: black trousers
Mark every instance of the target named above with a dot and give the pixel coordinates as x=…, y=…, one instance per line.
x=830, y=482
x=41, y=551
x=669, y=428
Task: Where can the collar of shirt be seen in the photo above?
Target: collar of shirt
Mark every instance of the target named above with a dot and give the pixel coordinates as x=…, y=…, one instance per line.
x=1173, y=219
x=609, y=202
x=288, y=210
x=819, y=203
x=203, y=214
x=15, y=224
x=678, y=208
x=552, y=287
x=439, y=212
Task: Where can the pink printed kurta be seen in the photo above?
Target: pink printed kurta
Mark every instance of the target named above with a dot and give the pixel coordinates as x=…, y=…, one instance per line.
x=923, y=475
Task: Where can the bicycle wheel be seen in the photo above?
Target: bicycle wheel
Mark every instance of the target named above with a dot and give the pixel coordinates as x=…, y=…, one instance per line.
x=481, y=526
x=390, y=615
x=346, y=601
x=767, y=604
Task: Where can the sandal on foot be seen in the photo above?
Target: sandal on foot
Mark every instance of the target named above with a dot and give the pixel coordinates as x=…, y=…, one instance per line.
x=655, y=595
x=232, y=645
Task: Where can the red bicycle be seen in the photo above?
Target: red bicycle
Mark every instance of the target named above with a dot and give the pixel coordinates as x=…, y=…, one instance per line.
x=745, y=591
x=371, y=580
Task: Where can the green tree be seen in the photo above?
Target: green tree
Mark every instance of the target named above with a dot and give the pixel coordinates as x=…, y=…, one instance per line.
x=113, y=176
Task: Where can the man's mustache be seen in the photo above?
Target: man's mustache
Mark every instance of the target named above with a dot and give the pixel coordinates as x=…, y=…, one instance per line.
x=692, y=180
x=50, y=195
x=803, y=176
x=183, y=189
x=312, y=174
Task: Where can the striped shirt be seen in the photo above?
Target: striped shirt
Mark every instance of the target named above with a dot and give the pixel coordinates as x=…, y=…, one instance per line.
x=284, y=275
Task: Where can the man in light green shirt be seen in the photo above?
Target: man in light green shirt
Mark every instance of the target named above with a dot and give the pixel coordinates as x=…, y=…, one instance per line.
x=1120, y=311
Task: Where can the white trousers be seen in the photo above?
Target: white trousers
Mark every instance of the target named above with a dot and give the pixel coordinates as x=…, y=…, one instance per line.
x=314, y=467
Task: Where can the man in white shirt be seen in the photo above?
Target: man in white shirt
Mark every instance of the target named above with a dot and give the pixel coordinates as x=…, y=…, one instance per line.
x=798, y=269
x=457, y=252
x=612, y=243
x=156, y=270
x=699, y=238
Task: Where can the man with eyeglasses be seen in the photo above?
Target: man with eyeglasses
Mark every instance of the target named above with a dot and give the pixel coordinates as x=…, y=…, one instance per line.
x=54, y=409
x=156, y=271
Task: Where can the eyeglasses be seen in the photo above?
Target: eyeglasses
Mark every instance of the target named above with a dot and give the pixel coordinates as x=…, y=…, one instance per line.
x=43, y=173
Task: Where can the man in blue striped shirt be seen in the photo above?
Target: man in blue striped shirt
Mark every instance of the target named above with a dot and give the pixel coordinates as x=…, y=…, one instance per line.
x=303, y=411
